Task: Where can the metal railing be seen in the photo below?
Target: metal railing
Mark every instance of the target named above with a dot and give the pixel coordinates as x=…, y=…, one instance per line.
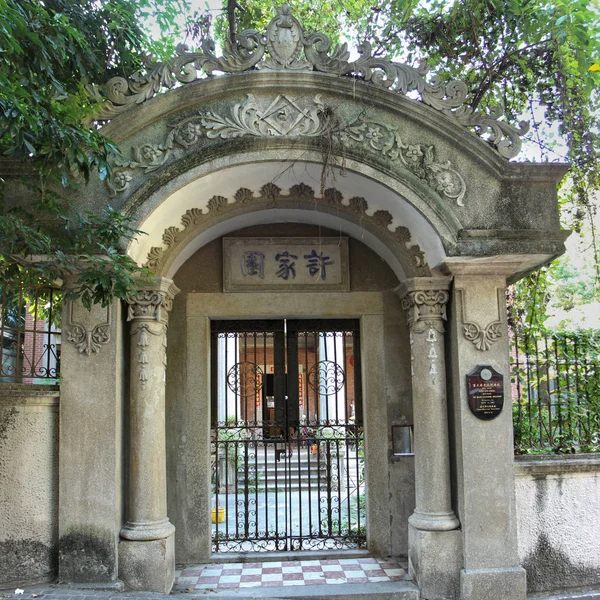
x=556, y=392
x=29, y=333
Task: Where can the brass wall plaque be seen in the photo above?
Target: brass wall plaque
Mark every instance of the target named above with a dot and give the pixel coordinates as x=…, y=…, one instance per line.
x=485, y=392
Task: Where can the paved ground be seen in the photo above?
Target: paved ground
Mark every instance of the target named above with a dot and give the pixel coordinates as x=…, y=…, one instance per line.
x=289, y=573
x=362, y=577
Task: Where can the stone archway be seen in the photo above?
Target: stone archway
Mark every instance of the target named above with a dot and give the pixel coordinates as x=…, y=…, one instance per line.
x=475, y=222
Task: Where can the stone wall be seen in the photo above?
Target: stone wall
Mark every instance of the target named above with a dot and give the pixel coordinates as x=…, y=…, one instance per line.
x=558, y=511
x=29, y=483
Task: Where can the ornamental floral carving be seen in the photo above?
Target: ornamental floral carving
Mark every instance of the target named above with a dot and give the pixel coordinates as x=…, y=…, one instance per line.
x=142, y=331
x=287, y=117
x=284, y=46
x=88, y=340
x=271, y=196
x=418, y=158
x=150, y=304
x=483, y=338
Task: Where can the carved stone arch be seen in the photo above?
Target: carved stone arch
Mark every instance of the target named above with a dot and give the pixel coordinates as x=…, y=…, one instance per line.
x=220, y=209
x=386, y=210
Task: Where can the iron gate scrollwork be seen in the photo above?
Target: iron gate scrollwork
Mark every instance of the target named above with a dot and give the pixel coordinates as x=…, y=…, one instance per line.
x=287, y=438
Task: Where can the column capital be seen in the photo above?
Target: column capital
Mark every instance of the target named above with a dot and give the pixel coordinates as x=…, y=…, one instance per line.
x=424, y=299
x=153, y=301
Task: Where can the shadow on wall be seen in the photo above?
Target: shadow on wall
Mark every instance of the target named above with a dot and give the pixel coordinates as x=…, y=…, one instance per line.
x=549, y=569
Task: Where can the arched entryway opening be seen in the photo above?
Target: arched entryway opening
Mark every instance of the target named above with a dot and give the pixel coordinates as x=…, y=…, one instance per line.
x=368, y=304
x=364, y=306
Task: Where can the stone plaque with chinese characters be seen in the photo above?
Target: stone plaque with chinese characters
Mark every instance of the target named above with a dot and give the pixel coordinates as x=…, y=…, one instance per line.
x=298, y=264
x=485, y=389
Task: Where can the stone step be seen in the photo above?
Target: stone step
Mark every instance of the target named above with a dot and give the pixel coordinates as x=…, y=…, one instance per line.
x=385, y=590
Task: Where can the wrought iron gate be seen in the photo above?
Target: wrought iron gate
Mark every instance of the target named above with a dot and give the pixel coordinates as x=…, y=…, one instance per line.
x=287, y=436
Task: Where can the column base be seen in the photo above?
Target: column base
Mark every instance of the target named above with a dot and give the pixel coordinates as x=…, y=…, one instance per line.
x=503, y=583
x=147, y=566
x=147, y=531
x=434, y=562
x=434, y=521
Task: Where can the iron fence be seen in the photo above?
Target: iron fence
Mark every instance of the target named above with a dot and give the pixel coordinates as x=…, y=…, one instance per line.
x=29, y=333
x=556, y=393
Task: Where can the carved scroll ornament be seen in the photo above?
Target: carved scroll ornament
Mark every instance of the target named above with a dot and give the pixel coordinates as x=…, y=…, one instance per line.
x=286, y=47
x=149, y=305
x=426, y=309
x=287, y=117
x=87, y=341
x=483, y=338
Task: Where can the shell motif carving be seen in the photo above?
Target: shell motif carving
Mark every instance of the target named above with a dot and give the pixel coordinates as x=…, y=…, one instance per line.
x=271, y=195
x=284, y=46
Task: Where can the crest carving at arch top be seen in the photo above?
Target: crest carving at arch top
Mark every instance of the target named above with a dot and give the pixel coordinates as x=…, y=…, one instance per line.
x=285, y=46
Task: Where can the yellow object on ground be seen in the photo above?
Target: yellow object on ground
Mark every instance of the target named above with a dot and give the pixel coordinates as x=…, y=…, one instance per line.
x=218, y=515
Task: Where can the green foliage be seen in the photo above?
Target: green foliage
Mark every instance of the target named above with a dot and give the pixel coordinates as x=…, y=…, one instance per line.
x=49, y=52
x=532, y=56
x=539, y=60
x=318, y=15
x=557, y=384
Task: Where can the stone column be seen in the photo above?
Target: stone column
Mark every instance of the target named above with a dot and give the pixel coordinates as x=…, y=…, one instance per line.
x=147, y=559
x=434, y=543
x=484, y=454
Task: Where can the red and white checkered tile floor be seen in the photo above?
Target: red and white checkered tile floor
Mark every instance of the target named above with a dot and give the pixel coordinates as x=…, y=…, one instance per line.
x=286, y=573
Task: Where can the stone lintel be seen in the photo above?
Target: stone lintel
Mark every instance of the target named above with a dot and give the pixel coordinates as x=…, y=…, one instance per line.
x=508, y=266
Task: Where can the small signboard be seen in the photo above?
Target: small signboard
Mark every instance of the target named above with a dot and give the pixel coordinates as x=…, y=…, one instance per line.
x=298, y=264
x=485, y=392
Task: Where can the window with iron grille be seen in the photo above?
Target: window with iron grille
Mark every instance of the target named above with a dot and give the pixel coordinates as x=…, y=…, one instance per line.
x=29, y=333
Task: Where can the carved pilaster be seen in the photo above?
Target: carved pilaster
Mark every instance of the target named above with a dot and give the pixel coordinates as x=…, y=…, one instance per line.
x=148, y=313
x=424, y=300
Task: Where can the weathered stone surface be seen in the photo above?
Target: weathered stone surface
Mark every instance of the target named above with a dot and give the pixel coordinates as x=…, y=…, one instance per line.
x=87, y=556
x=434, y=562
x=28, y=483
x=484, y=451
x=90, y=450
x=284, y=42
x=400, y=178
x=558, y=517
x=504, y=583
x=148, y=566
x=25, y=561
